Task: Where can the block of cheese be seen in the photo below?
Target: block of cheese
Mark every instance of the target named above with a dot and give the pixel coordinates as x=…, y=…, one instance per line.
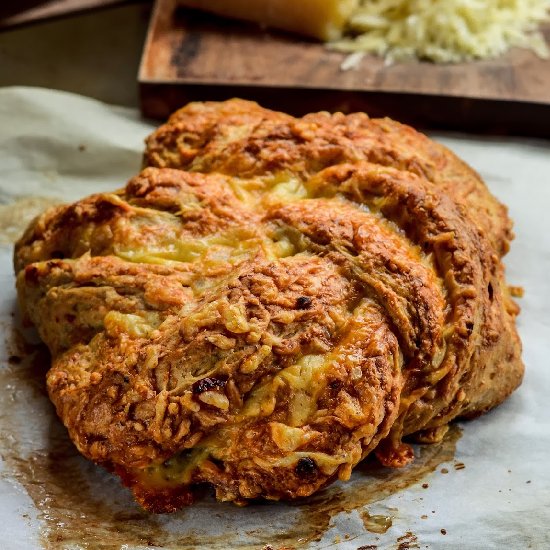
x=323, y=19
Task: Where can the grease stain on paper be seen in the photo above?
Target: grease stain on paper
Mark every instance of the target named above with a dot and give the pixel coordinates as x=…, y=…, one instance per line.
x=83, y=507
x=15, y=216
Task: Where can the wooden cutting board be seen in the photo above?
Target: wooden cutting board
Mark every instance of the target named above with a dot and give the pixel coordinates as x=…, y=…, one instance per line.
x=189, y=55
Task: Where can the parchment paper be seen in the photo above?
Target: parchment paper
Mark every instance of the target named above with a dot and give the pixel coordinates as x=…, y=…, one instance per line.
x=58, y=146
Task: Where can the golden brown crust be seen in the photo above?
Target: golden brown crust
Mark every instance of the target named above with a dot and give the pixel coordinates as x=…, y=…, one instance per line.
x=238, y=138
x=270, y=302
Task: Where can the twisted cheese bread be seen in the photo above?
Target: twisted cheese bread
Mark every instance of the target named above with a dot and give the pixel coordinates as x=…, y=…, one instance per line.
x=269, y=301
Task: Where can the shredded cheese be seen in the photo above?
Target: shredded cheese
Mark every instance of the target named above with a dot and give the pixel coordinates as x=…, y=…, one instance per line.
x=444, y=31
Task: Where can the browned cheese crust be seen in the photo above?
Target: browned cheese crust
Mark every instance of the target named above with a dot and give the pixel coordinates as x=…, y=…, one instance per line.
x=271, y=300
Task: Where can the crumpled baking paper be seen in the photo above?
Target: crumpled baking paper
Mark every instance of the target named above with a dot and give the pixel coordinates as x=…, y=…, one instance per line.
x=492, y=492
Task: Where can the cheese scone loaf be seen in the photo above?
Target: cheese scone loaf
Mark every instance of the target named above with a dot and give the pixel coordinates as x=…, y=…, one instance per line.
x=269, y=301
x=322, y=19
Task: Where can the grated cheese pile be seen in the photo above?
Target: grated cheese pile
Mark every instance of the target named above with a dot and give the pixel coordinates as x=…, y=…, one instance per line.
x=444, y=31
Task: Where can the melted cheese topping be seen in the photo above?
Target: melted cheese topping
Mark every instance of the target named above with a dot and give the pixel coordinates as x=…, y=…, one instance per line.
x=306, y=379
x=232, y=246
x=136, y=326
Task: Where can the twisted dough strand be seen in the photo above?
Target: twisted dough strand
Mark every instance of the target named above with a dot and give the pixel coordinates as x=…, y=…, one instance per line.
x=270, y=301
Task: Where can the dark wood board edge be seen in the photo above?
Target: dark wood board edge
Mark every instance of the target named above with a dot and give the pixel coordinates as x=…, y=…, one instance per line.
x=186, y=47
x=156, y=15
x=35, y=13
x=159, y=100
